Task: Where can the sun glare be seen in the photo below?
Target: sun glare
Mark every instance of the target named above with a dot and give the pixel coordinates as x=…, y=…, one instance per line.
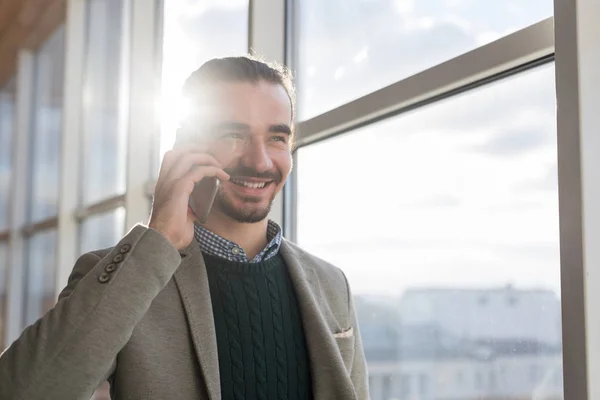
x=190, y=38
x=178, y=64
x=173, y=109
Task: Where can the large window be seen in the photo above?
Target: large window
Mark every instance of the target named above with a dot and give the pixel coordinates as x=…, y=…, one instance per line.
x=40, y=251
x=445, y=220
x=104, y=97
x=7, y=119
x=47, y=127
x=41, y=275
x=379, y=42
x=194, y=32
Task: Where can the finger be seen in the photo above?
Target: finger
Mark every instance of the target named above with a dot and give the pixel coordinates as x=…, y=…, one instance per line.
x=198, y=173
x=193, y=147
x=187, y=162
x=201, y=172
x=172, y=156
x=167, y=163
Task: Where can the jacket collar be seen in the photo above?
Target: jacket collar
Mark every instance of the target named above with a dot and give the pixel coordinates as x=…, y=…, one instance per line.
x=192, y=281
x=329, y=376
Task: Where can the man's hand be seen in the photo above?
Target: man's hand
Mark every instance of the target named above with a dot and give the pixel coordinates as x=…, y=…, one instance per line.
x=180, y=170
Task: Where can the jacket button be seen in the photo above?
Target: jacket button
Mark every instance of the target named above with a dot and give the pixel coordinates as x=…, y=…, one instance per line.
x=104, y=277
x=118, y=258
x=111, y=267
x=125, y=248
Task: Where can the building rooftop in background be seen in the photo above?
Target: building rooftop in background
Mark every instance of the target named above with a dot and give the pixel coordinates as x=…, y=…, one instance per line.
x=479, y=324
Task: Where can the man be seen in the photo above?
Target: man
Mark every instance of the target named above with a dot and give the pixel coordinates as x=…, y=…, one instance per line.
x=224, y=310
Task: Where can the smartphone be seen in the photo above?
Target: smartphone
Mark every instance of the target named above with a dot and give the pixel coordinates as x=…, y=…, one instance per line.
x=203, y=197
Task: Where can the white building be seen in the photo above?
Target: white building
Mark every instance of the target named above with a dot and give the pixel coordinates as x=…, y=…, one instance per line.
x=454, y=344
x=500, y=313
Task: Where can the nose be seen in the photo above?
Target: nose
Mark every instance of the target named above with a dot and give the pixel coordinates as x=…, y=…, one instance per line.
x=256, y=156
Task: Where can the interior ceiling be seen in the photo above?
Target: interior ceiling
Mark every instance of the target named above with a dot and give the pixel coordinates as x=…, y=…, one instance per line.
x=25, y=24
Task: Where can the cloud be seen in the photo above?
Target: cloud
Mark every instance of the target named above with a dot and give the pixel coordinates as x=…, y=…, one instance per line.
x=514, y=141
x=216, y=32
x=546, y=183
x=403, y=37
x=194, y=8
x=519, y=205
x=537, y=251
x=441, y=200
x=404, y=6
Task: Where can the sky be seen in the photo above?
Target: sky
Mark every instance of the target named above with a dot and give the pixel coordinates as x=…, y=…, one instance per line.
x=378, y=42
x=461, y=193
x=435, y=198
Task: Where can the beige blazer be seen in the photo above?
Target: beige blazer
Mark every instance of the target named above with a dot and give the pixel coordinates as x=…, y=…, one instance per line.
x=140, y=315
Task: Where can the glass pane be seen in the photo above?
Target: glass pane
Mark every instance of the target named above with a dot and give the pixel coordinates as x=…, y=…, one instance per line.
x=3, y=291
x=40, y=293
x=194, y=32
x=348, y=48
x=445, y=220
x=104, y=141
x=7, y=121
x=47, y=127
x=102, y=230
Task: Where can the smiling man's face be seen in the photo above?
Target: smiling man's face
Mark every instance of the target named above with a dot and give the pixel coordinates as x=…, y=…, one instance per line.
x=249, y=130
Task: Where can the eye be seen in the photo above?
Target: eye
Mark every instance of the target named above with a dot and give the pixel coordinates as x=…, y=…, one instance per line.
x=232, y=135
x=280, y=138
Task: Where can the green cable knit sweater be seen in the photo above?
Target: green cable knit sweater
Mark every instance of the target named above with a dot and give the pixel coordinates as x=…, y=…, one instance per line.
x=260, y=338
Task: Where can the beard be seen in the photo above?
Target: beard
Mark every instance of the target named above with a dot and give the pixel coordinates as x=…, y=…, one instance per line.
x=249, y=213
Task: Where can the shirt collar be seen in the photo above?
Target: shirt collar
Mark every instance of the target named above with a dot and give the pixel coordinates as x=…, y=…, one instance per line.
x=216, y=245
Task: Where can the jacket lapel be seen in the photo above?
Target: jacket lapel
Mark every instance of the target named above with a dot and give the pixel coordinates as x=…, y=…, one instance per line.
x=329, y=375
x=192, y=280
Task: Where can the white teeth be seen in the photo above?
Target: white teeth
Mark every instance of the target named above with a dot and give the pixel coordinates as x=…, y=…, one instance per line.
x=249, y=184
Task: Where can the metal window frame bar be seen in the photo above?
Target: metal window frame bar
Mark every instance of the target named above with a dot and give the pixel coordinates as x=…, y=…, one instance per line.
x=46, y=224
x=145, y=46
x=290, y=202
x=525, y=46
x=101, y=207
x=23, y=123
x=290, y=193
x=578, y=124
x=155, y=162
x=267, y=29
x=267, y=38
x=250, y=25
x=124, y=91
x=5, y=232
x=71, y=157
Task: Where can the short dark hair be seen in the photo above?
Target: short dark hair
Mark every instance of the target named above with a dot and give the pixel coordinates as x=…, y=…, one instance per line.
x=247, y=68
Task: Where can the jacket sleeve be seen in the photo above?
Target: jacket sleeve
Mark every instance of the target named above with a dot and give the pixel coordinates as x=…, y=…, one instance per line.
x=72, y=349
x=359, y=373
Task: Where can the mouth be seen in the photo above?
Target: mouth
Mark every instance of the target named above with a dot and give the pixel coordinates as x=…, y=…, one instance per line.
x=250, y=186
